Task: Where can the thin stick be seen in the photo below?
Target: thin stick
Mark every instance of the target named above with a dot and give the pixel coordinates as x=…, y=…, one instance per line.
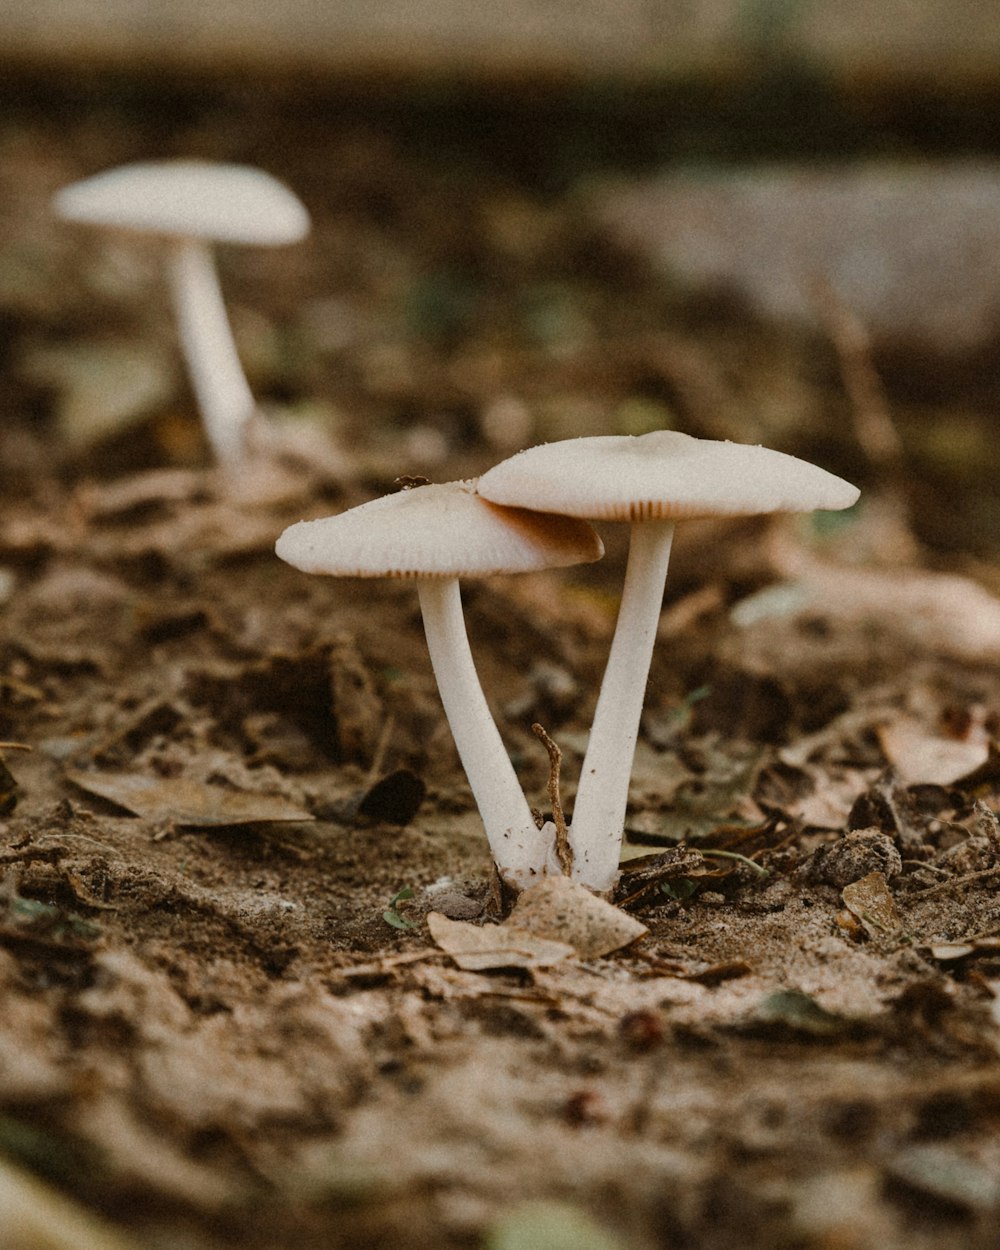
x=381, y=748
x=742, y=859
x=564, y=852
x=873, y=423
x=957, y=881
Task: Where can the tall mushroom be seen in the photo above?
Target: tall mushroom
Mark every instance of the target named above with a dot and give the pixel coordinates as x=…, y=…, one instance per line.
x=192, y=204
x=652, y=481
x=435, y=535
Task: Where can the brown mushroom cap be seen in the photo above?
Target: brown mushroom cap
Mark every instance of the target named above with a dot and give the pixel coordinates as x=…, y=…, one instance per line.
x=437, y=531
x=665, y=475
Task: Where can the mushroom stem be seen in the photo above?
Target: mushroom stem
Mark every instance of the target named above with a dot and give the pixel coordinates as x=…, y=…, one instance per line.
x=219, y=383
x=602, y=796
x=521, y=851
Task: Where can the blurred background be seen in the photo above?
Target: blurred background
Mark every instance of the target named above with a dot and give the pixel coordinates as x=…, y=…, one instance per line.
x=770, y=220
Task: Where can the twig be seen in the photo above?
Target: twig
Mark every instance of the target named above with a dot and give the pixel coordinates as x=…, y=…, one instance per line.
x=742, y=859
x=381, y=748
x=873, y=423
x=564, y=852
x=956, y=881
x=388, y=963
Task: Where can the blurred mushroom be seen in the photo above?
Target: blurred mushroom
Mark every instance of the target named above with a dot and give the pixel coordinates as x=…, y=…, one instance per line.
x=192, y=204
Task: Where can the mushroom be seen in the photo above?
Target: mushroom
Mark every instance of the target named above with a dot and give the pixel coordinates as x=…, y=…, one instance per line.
x=435, y=535
x=192, y=204
x=652, y=481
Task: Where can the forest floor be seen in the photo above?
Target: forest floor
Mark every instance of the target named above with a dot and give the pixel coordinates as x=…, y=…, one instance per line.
x=231, y=800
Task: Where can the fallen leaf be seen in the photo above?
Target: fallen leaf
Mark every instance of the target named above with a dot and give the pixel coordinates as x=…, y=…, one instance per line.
x=948, y=1175
x=716, y=974
x=394, y=799
x=829, y=806
x=476, y=948
x=124, y=499
x=922, y=757
x=799, y=1012
x=985, y=775
x=948, y=952
x=937, y=612
x=102, y=388
x=561, y=910
x=186, y=802
x=689, y=807
x=554, y=920
x=872, y=903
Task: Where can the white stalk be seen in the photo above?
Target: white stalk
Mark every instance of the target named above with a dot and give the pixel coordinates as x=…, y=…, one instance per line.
x=521, y=851
x=602, y=796
x=217, y=377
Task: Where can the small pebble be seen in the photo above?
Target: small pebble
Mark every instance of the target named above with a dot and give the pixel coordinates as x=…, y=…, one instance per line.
x=457, y=906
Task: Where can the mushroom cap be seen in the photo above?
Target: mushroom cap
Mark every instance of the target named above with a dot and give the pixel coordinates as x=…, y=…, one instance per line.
x=188, y=199
x=664, y=475
x=437, y=531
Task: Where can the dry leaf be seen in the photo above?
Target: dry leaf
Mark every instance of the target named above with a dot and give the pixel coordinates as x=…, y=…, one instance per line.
x=102, y=388
x=564, y=911
x=925, y=758
x=123, y=498
x=476, y=948
x=947, y=952
x=554, y=920
x=829, y=806
x=186, y=802
x=871, y=902
x=937, y=612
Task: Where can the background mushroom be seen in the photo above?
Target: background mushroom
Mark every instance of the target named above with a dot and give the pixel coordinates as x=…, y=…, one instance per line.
x=652, y=481
x=192, y=204
x=435, y=535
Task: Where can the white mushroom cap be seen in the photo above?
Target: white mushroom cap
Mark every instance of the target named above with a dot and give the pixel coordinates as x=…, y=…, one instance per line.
x=189, y=199
x=437, y=531
x=664, y=475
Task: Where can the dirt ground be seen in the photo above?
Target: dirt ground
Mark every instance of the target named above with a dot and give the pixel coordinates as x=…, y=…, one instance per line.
x=225, y=1022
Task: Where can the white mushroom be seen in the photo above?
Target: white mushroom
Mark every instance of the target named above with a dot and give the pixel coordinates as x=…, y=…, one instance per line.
x=653, y=481
x=435, y=535
x=192, y=204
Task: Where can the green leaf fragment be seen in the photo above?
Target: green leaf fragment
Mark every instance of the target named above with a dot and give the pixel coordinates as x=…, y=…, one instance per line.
x=801, y=1013
x=548, y=1226
x=391, y=916
x=680, y=889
